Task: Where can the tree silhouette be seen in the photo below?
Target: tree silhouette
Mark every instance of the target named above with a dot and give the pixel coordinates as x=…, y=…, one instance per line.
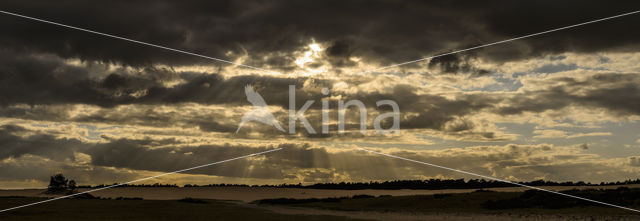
x=58, y=183
x=72, y=185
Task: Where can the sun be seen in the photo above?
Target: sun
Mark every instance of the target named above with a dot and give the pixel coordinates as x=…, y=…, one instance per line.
x=312, y=54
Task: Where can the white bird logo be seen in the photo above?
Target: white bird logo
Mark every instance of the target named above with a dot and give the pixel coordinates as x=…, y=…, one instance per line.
x=260, y=111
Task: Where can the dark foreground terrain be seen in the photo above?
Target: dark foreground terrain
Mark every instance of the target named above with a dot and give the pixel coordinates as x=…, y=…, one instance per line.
x=531, y=203
x=476, y=205
x=136, y=209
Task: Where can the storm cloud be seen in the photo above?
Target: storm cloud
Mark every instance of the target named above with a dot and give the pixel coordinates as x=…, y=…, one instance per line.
x=528, y=109
x=376, y=30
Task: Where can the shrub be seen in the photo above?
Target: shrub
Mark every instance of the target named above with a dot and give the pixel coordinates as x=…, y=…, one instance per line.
x=57, y=183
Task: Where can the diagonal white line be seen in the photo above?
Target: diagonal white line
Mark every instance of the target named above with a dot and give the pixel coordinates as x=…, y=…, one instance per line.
x=377, y=69
x=138, y=42
x=501, y=180
x=138, y=180
x=501, y=42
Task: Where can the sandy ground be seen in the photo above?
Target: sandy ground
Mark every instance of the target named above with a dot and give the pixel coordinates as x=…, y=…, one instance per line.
x=390, y=216
x=242, y=195
x=248, y=194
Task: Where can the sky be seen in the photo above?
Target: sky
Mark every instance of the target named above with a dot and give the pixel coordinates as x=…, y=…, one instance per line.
x=562, y=106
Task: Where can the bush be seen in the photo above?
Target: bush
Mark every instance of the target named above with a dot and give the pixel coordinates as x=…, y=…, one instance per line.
x=59, y=184
x=85, y=196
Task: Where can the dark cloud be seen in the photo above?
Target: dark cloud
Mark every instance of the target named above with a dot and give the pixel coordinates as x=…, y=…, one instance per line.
x=379, y=31
x=142, y=154
x=136, y=154
x=514, y=19
x=457, y=64
x=617, y=93
x=34, y=168
x=339, y=52
x=31, y=79
x=584, y=146
x=47, y=145
x=33, y=70
x=38, y=82
x=340, y=48
x=43, y=79
x=294, y=161
x=167, y=155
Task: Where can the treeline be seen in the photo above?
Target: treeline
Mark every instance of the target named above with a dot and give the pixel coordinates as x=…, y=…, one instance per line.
x=129, y=185
x=431, y=184
x=281, y=201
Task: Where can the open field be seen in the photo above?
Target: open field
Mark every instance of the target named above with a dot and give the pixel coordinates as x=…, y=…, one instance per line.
x=248, y=194
x=96, y=209
x=479, y=205
x=212, y=203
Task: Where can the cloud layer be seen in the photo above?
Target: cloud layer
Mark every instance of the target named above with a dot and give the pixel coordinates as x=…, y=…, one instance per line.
x=561, y=106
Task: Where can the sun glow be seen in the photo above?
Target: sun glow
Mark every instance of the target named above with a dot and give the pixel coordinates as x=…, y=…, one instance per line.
x=311, y=55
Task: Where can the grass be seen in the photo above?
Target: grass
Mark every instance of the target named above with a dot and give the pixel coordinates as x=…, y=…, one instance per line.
x=105, y=209
x=479, y=202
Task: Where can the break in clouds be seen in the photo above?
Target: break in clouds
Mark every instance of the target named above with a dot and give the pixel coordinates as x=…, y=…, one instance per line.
x=560, y=106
